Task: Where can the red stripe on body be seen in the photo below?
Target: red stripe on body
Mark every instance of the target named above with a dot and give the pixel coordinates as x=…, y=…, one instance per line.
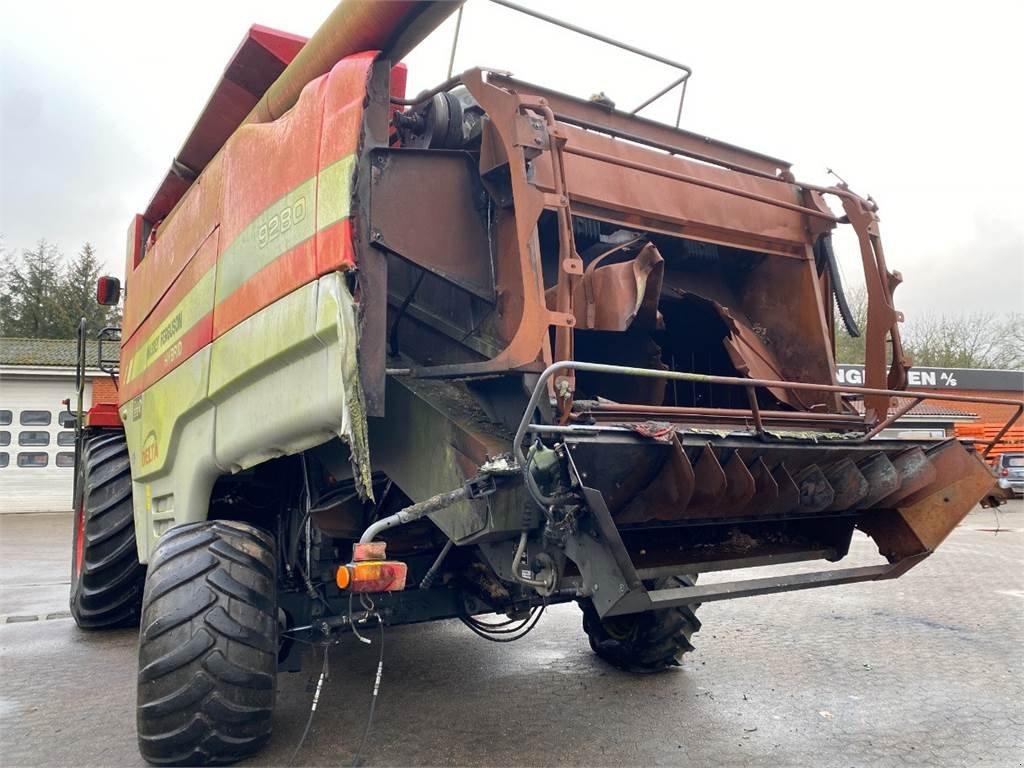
x=334, y=248
x=280, y=277
x=194, y=339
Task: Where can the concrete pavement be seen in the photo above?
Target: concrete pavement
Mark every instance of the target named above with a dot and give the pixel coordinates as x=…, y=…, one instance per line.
x=925, y=670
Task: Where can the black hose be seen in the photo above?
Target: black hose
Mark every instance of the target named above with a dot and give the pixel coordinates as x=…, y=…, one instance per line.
x=430, y=575
x=837, y=286
x=491, y=635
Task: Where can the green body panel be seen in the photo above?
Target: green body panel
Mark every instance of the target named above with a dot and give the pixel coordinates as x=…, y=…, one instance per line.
x=282, y=381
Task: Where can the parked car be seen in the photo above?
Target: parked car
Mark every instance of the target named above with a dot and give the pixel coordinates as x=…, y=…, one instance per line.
x=1010, y=471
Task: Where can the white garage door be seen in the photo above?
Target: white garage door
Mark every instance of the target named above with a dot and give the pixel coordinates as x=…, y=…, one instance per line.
x=37, y=444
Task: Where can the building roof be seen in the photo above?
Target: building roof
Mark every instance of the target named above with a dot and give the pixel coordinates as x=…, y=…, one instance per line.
x=57, y=353
x=924, y=410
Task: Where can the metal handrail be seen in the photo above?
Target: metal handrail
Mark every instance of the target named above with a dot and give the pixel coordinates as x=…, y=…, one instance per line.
x=681, y=80
x=750, y=384
x=80, y=375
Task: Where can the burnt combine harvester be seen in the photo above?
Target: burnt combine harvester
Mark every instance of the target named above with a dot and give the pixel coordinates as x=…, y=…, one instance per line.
x=389, y=360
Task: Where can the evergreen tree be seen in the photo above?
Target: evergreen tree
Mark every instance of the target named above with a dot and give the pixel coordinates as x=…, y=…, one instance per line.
x=78, y=295
x=30, y=294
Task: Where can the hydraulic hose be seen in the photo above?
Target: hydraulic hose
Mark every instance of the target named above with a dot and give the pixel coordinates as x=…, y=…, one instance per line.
x=415, y=512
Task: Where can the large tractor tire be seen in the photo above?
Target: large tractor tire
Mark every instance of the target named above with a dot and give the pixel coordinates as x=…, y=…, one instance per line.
x=106, y=576
x=208, y=645
x=643, y=642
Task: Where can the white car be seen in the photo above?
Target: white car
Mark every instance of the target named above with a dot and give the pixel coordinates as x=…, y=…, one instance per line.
x=1010, y=471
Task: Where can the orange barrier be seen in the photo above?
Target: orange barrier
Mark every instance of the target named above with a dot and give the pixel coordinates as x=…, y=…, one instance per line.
x=1011, y=442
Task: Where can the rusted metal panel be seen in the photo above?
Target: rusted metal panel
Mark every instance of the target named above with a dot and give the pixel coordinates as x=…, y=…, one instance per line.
x=789, y=492
x=848, y=483
x=816, y=493
x=710, y=485
x=882, y=478
x=616, y=297
x=766, y=489
x=740, y=486
x=918, y=528
x=453, y=208
x=668, y=495
x=916, y=472
x=625, y=193
x=596, y=116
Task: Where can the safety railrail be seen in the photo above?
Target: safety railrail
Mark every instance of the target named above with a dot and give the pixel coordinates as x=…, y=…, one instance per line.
x=681, y=80
x=755, y=413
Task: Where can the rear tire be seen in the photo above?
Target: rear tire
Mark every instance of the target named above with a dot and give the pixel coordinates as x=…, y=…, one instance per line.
x=644, y=642
x=208, y=645
x=106, y=576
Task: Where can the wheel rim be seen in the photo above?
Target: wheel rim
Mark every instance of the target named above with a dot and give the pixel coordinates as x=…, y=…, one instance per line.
x=79, y=538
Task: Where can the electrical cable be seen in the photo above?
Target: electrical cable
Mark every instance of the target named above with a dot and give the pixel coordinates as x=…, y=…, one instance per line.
x=312, y=708
x=373, y=699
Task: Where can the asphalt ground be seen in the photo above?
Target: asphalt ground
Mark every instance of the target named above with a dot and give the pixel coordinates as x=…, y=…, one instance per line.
x=925, y=670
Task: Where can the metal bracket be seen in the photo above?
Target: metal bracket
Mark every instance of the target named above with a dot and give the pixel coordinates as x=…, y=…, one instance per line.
x=480, y=486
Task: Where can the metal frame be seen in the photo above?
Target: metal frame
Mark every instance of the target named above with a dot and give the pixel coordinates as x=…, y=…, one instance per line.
x=518, y=133
x=755, y=414
x=682, y=80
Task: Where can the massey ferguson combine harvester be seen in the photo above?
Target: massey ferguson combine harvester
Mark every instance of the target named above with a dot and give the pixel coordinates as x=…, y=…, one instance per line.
x=389, y=360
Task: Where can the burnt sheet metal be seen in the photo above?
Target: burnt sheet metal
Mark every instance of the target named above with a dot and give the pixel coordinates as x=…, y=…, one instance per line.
x=740, y=486
x=816, y=493
x=882, y=334
x=615, y=297
x=668, y=495
x=442, y=421
x=766, y=489
x=789, y=491
x=597, y=116
x=627, y=184
x=445, y=229
x=749, y=353
x=848, y=483
x=710, y=485
x=372, y=277
x=881, y=476
x=916, y=472
x=926, y=517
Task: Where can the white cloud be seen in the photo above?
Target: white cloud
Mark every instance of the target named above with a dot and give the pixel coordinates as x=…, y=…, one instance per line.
x=915, y=104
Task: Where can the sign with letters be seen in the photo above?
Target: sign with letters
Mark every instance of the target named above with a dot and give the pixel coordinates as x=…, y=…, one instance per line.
x=945, y=378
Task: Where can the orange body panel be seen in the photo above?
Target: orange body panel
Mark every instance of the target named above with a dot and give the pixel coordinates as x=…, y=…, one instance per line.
x=259, y=223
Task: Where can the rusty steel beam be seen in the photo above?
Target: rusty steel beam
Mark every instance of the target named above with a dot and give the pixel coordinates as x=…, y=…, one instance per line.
x=689, y=179
x=597, y=117
x=616, y=409
x=541, y=387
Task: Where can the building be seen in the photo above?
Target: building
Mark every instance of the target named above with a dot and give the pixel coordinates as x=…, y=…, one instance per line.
x=37, y=438
x=947, y=415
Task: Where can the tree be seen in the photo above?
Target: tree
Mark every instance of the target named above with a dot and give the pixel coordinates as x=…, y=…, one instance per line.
x=78, y=295
x=976, y=340
x=30, y=289
x=43, y=298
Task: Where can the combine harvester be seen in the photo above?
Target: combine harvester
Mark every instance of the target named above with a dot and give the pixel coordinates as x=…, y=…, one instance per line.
x=388, y=360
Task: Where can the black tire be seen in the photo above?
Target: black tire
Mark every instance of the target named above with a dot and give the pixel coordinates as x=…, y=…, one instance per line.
x=106, y=576
x=643, y=642
x=208, y=645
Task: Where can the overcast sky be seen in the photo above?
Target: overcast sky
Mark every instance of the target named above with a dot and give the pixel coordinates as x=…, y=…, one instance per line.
x=917, y=104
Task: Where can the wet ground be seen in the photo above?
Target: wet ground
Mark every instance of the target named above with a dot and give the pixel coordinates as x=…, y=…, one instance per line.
x=926, y=670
